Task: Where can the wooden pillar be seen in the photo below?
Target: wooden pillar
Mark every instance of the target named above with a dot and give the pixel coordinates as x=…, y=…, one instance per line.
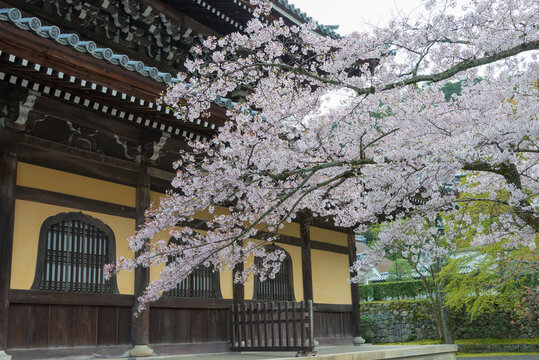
x=356, y=309
x=306, y=259
x=238, y=290
x=141, y=324
x=8, y=178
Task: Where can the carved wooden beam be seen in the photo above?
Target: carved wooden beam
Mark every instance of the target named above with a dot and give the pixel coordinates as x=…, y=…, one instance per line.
x=158, y=146
x=25, y=106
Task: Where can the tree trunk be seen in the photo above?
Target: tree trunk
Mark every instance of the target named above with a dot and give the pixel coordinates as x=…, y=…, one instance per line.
x=440, y=314
x=447, y=331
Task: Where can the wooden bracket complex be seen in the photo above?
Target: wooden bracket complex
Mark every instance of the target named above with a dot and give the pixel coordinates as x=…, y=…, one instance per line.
x=158, y=146
x=25, y=106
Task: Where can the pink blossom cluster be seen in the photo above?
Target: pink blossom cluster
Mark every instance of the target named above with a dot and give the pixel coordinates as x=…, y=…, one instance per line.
x=356, y=129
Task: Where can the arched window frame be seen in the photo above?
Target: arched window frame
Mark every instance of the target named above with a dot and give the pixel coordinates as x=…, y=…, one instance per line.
x=215, y=276
x=74, y=216
x=290, y=280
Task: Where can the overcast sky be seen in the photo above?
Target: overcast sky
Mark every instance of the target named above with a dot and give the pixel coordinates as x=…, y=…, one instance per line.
x=354, y=15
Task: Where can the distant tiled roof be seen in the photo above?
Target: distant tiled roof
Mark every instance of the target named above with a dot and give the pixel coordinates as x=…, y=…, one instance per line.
x=378, y=278
x=415, y=275
x=385, y=265
x=382, y=266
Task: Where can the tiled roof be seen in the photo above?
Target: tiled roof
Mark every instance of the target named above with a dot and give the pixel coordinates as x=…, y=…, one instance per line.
x=14, y=16
x=325, y=29
x=72, y=40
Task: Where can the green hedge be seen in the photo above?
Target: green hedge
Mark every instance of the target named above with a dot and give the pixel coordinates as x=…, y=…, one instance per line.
x=409, y=289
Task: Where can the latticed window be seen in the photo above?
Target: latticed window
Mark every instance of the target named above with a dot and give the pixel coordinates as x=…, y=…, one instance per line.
x=73, y=248
x=281, y=288
x=203, y=282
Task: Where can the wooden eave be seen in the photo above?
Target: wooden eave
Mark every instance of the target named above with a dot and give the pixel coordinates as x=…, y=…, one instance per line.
x=233, y=15
x=112, y=87
x=26, y=45
x=143, y=29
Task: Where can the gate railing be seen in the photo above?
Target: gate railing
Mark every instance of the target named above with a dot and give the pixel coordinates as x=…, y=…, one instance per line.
x=272, y=326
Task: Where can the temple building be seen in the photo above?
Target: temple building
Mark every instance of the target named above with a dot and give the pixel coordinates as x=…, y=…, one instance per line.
x=85, y=149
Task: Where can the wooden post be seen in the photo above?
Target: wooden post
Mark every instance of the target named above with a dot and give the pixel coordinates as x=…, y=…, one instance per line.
x=141, y=324
x=8, y=179
x=238, y=290
x=356, y=309
x=306, y=259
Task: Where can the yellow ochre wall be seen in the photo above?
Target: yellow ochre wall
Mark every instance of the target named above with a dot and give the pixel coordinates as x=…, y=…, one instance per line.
x=330, y=275
x=328, y=236
x=330, y=270
x=29, y=217
x=63, y=182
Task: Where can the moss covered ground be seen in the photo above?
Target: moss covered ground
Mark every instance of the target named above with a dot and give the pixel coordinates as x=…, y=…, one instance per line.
x=459, y=354
x=487, y=341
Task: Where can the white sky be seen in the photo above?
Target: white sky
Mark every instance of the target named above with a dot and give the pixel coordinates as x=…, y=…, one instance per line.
x=356, y=15
x=361, y=15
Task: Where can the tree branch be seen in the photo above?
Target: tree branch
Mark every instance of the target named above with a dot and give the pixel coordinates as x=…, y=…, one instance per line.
x=462, y=66
x=511, y=175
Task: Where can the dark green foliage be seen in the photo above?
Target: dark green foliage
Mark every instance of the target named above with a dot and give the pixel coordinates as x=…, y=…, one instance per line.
x=408, y=289
x=366, y=322
x=496, y=324
x=401, y=270
x=371, y=235
x=452, y=88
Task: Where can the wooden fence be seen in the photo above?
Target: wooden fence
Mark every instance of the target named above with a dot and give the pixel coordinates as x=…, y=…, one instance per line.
x=272, y=326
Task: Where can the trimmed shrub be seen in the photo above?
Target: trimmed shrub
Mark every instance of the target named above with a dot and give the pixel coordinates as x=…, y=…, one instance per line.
x=408, y=289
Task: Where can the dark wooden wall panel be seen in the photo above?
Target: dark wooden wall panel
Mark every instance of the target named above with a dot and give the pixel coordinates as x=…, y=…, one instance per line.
x=331, y=327
x=154, y=326
x=84, y=332
x=183, y=326
x=107, y=326
x=60, y=325
x=347, y=324
x=332, y=324
x=218, y=325
x=38, y=326
x=17, y=336
x=162, y=326
x=199, y=326
x=318, y=324
x=43, y=325
x=125, y=314
x=168, y=325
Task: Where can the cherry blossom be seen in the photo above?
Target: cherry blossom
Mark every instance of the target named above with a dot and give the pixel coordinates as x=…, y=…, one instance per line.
x=354, y=129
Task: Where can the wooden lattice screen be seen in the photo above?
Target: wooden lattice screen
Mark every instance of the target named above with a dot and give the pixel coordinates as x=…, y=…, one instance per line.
x=72, y=253
x=201, y=283
x=272, y=326
x=279, y=288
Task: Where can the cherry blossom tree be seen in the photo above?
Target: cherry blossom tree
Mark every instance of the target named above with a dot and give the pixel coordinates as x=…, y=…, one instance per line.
x=354, y=129
x=423, y=244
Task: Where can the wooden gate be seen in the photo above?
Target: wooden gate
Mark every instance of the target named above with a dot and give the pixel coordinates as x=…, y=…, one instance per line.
x=272, y=326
